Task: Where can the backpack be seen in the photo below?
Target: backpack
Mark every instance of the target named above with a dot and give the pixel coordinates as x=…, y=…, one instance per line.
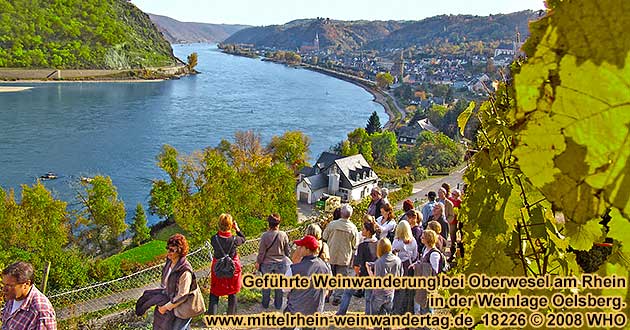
x=224, y=267
x=390, y=235
x=443, y=265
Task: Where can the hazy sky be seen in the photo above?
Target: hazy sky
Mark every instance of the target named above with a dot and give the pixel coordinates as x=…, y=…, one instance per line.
x=267, y=12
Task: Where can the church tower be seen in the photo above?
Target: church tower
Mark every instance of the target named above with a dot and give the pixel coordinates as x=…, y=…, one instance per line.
x=398, y=70
x=316, y=42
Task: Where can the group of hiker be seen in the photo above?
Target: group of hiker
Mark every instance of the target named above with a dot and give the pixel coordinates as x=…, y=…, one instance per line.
x=410, y=245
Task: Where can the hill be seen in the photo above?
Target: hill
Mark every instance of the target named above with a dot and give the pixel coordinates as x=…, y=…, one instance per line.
x=187, y=32
x=457, y=29
x=86, y=34
x=341, y=35
x=353, y=35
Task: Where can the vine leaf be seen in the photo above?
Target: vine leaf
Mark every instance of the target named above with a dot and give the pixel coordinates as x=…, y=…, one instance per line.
x=463, y=117
x=619, y=229
x=574, y=94
x=582, y=235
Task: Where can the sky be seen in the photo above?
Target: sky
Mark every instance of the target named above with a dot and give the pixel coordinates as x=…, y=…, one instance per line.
x=268, y=12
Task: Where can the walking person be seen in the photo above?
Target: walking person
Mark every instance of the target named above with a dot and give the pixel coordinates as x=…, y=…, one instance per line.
x=387, y=263
x=407, y=205
x=306, y=263
x=457, y=228
x=342, y=237
x=366, y=252
x=415, y=221
x=374, y=209
x=427, y=208
x=449, y=215
x=25, y=306
x=273, y=253
x=180, y=286
x=438, y=215
x=316, y=231
x=406, y=248
x=431, y=263
x=387, y=222
x=224, y=244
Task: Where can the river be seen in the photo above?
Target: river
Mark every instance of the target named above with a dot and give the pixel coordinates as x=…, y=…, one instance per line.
x=117, y=129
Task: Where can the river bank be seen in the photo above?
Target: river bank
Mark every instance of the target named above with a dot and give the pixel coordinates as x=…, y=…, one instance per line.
x=93, y=75
x=379, y=97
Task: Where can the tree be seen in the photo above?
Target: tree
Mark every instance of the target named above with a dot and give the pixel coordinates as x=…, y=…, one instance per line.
x=358, y=142
x=373, y=124
x=38, y=224
x=291, y=149
x=192, y=61
x=239, y=178
x=437, y=152
x=37, y=230
x=104, y=213
x=384, y=148
x=384, y=79
x=139, y=226
x=436, y=115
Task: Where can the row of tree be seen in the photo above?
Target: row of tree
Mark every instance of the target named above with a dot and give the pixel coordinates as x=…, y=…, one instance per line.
x=40, y=228
x=432, y=152
x=241, y=177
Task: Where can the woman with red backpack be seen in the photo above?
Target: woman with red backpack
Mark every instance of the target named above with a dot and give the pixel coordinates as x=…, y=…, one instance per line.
x=225, y=278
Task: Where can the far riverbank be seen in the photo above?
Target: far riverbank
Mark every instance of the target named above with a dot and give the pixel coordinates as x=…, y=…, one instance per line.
x=79, y=75
x=370, y=86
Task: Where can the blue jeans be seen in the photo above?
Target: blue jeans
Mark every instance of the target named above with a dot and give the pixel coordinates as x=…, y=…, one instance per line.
x=343, y=270
x=181, y=324
x=273, y=268
x=347, y=296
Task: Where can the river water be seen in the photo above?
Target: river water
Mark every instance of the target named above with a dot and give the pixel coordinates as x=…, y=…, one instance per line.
x=117, y=129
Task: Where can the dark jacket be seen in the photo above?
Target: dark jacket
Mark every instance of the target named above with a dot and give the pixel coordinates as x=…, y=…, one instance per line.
x=155, y=297
x=172, y=282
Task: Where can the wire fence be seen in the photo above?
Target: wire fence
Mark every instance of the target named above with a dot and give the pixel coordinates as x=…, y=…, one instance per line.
x=101, y=296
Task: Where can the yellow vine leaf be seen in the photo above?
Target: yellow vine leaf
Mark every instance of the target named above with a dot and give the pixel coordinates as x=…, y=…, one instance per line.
x=573, y=94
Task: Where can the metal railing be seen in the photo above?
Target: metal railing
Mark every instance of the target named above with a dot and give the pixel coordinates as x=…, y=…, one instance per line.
x=104, y=295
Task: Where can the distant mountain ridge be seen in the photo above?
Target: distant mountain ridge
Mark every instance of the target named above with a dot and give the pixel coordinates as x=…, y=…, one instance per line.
x=354, y=35
x=459, y=28
x=345, y=35
x=189, y=32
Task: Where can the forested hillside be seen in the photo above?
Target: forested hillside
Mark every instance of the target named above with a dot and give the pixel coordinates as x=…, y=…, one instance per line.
x=79, y=34
x=353, y=35
x=187, y=32
x=458, y=29
x=341, y=35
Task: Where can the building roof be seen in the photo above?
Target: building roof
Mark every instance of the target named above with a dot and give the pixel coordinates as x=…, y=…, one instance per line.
x=409, y=131
x=325, y=160
x=426, y=125
x=317, y=182
x=351, y=166
x=306, y=171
